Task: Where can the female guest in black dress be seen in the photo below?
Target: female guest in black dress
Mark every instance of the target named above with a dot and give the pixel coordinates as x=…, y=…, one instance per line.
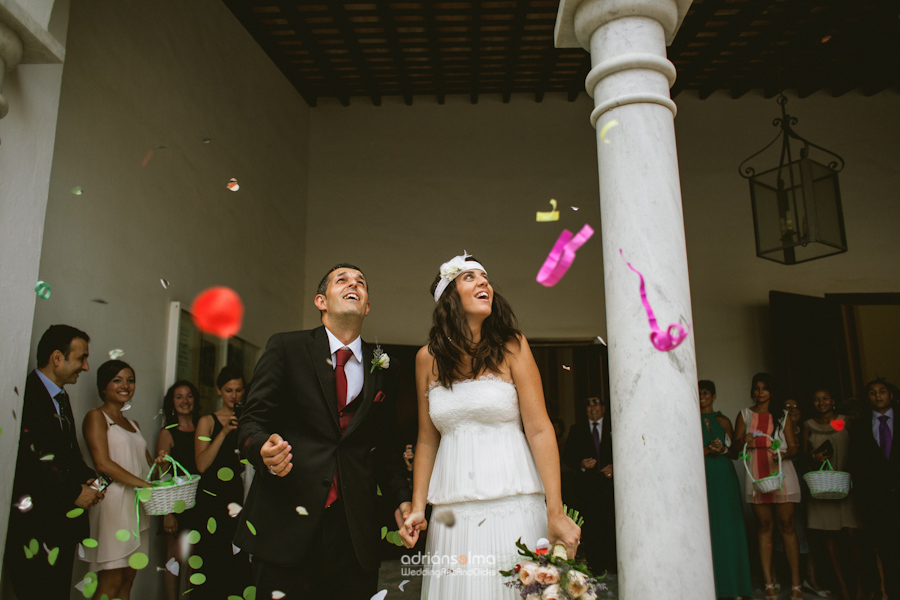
x=227, y=570
x=181, y=411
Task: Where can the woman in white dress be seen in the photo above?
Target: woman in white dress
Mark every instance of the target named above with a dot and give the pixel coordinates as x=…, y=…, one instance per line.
x=490, y=482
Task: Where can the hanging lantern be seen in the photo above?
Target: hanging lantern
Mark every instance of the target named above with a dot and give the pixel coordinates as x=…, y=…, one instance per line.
x=797, y=214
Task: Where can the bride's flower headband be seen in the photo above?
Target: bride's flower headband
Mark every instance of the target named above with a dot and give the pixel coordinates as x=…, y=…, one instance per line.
x=451, y=269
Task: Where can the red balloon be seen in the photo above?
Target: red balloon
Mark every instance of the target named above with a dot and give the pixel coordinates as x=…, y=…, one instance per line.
x=219, y=311
x=838, y=424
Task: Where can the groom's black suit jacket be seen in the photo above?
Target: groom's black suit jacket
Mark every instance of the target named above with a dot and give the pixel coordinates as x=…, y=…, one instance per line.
x=293, y=394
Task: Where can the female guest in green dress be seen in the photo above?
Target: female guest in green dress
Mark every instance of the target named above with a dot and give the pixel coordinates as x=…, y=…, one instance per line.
x=731, y=563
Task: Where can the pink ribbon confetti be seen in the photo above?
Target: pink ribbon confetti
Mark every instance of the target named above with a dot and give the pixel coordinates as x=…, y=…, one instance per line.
x=666, y=340
x=562, y=255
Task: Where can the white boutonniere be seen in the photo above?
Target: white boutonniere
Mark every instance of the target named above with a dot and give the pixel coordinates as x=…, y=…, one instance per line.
x=380, y=359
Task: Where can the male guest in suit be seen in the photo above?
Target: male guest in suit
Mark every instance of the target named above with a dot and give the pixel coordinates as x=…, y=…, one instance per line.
x=51, y=477
x=588, y=452
x=321, y=432
x=875, y=467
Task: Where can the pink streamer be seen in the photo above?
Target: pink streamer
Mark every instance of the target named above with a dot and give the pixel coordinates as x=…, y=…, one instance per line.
x=562, y=255
x=662, y=340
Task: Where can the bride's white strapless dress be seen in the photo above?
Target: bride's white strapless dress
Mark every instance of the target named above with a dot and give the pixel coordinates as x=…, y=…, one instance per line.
x=485, y=473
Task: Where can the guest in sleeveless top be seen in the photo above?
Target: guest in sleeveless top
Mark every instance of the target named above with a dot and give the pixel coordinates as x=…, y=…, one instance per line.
x=227, y=570
x=118, y=449
x=768, y=416
x=731, y=564
x=834, y=519
x=181, y=411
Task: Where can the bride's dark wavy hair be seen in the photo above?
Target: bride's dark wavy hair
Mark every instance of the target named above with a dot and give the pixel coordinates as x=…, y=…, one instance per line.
x=450, y=338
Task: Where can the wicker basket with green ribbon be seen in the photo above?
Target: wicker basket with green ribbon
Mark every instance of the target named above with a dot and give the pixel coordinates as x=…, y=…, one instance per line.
x=764, y=485
x=162, y=498
x=828, y=484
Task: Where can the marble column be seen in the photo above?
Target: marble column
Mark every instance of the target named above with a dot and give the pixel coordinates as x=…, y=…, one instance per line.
x=662, y=522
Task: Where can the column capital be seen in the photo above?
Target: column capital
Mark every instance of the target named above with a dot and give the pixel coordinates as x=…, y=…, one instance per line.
x=576, y=20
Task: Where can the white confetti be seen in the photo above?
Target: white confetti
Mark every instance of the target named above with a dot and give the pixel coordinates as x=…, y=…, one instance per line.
x=173, y=567
x=600, y=339
x=234, y=509
x=159, y=413
x=24, y=504
x=446, y=517
x=116, y=354
x=329, y=362
x=402, y=583
x=302, y=511
x=127, y=405
x=379, y=596
x=165, y=283
x=80, y=585
x=233, y=185
x=80, y=551
x=234, y=549
x=278, y=595
x=567, y=368
x=575, y=208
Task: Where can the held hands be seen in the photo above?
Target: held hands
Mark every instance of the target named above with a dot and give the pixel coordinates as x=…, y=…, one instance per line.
x=563, y=530
x=414, y=523
x=276, y=455
x=89, y=496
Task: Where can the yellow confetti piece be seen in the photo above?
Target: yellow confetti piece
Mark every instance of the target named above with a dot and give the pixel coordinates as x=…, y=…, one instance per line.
x=552, y=215
x=211, y=525
x=75, y=513
x=244, y=461
x=198, y=578
x=609, y=125
x=195, y=561
x=123, y=535
x=378, y=490
x=52, y=556
x=193, y=536
x=203, y=438
x=251, y=527
x=179, y=507
x=225, y=474
x=138, y=560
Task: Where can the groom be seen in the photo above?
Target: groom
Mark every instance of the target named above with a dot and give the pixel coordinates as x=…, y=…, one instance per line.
x=320, y=429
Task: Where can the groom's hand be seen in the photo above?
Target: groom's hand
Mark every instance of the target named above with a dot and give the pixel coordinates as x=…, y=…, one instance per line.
x=276, y=455
x=414, y=524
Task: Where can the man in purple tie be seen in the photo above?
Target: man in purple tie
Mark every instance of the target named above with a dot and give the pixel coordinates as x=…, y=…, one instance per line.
x=875, y=467
x=588, y=452
x=320, y=427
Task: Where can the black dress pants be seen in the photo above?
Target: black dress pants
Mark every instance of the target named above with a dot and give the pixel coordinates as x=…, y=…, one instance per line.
x=36, y=578
x=331, y=568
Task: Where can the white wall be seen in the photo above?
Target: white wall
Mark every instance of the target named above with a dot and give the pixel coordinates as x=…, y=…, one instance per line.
x=138, y=76
x=400, y=189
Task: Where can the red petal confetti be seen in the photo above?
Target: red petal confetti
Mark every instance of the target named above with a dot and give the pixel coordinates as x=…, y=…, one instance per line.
x=838, y=424
x=219, y=311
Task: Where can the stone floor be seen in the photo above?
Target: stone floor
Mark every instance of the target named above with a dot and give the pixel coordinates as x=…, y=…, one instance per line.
x=390, y=577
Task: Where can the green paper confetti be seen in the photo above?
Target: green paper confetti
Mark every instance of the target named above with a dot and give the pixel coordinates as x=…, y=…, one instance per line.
x=225, y=474
x=89, y=589
x=89, y=543
x=195, y=561
x=776, y=444
x=28, y=553
x=211, y=525
x=34, y=547
x=47, y=457
x=179, y=507
x=42, y=289
x=186, y=592
x=138, y=560
x=194, y=536
x=378, y=490
x=203, y=438
x=209, y=492
x=243, y=460
x=251, y=527
x=123, y=535
x=75, y=513
x=145, y=495
x=52, y=555
x=77, y=190
x=250, y=592
x=383, y=532
x=235, y=598
x=170, y=427
x=198, y=579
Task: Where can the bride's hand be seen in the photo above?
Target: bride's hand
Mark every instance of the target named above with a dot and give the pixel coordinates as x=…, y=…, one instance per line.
x=563, y=530
x=413, y=524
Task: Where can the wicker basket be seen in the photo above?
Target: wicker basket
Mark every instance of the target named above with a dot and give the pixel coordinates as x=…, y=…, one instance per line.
x=163, y=499
x=828, y=484
x=768, y=484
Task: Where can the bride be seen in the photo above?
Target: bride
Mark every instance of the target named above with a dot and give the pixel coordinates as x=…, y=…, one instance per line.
x=489, y=482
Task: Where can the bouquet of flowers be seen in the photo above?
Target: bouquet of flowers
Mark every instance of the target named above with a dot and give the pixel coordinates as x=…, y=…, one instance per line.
x=543, y=575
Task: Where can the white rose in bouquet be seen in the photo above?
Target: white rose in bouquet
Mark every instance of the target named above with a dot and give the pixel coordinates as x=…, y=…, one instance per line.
x=547, y=575
x=552, y=593
x=559, y=551
x=590, y=594
x=576, y=584
x=527, y=572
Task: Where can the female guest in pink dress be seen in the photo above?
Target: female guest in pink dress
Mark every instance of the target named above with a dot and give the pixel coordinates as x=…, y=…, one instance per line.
x=768, y=416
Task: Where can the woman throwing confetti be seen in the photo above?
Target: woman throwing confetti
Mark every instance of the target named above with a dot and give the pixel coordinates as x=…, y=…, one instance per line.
x=118, y=449
x=490, y=482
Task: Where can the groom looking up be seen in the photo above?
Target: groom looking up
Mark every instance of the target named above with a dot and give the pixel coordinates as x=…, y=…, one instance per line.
x=319, y=425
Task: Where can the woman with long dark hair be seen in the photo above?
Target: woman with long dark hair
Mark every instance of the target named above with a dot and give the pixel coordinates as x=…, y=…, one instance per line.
x=181, y=411
x=768, y=416
x=486, y=454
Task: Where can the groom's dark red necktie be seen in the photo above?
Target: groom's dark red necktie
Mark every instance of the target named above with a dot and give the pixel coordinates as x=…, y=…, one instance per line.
x=340, y=379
